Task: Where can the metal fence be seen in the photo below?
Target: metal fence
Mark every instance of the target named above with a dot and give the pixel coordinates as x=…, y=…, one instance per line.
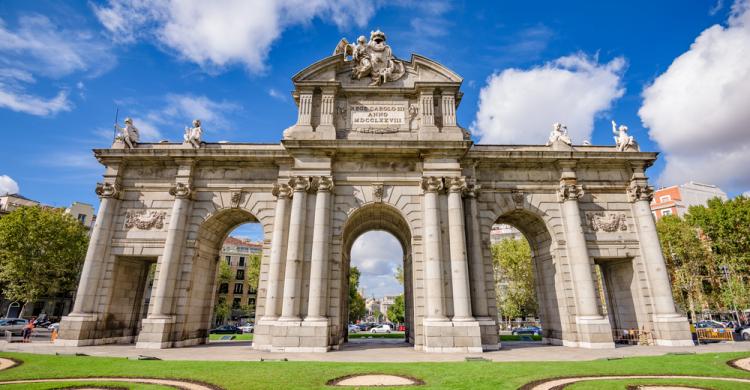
x=632, y=337
x=715, y=334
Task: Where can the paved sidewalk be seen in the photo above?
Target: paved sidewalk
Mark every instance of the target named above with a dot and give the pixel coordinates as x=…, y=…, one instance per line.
x=372, y=352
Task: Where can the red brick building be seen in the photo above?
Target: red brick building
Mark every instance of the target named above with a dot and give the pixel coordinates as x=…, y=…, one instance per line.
x=676, y=200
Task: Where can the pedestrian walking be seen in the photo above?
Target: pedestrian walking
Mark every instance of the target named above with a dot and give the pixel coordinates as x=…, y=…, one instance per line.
x=27, y=330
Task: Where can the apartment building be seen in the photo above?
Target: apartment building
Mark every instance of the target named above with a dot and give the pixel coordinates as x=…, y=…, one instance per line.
x=676, y=200
x=236, y=252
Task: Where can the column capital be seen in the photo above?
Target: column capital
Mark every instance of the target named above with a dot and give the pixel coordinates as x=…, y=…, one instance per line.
x=181, y=190
x=324, y=184
x=432, y=184
x=281, y=190
x=640, y=191
x=300, y=184
x=473, y=191
x=569, y=191
x=107, y=190
x=456, y=184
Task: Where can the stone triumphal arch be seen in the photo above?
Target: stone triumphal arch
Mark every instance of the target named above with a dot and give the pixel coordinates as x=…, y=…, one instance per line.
x=375, y=146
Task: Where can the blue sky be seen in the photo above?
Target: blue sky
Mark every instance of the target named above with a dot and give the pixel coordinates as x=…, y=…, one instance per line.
x=675, y=72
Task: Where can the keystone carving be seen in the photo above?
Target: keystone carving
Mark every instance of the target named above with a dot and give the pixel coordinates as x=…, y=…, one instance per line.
x=610, y=222
x=517, y=197
x=378, y=191
x=145, y=220
x=236, y=198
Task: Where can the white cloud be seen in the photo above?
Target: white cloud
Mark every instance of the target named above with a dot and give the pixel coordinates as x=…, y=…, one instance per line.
x=697, y=111
x=221, y=33
x=8, y=185
x=377, y=254
x=274, y=93
x=39, y=47
x=519, y=106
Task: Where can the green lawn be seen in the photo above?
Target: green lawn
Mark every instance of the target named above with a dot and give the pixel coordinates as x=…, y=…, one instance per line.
x=237, y=337
x=303, y=375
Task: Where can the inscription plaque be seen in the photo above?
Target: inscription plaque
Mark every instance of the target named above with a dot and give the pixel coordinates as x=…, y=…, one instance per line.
x=378, y=115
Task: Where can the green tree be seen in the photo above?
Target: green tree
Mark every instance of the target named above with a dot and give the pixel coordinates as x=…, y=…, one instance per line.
x=252, y=271
x=396, y=312
x=514, y=276
x=399, y=275
x=223, y=276
x=356, y=301
x=689, y=261
x=41, y=253
x=725, y=225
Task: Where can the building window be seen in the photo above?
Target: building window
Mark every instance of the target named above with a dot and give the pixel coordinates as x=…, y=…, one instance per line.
x=250, y=290
x=223, y=288
x=229, y=260
x=82, y=218
x=251, y=301
x=666, y=212
x=242, y=261
x=236, y=303
x=238, y=288
x=665, y=198
x=240, y=274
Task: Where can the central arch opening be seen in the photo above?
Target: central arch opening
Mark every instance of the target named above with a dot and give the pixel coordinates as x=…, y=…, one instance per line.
x=377, y=253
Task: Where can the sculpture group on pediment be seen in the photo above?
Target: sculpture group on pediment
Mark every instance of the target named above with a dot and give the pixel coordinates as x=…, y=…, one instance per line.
x=128, y=134
x=145, y=220
x=374, y=58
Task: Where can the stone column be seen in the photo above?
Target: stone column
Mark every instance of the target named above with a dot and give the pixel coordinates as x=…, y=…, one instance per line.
x=432, y=243
x=316, y=308
x=93, y=266
x=295, y=248
x=478, y=286
x=661, y=293
x=578, y=254
x=459, y=263
x=449, y=109
x=273, y=291
x=161, y=304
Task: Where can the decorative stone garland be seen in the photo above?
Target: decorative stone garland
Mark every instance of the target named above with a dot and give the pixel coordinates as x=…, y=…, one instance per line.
x=182, y=384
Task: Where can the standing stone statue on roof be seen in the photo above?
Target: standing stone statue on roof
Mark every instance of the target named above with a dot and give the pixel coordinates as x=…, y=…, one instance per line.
x=624, y=141
x=559, y=133
x=193, y=135
x=374, y=59
x=127, y=134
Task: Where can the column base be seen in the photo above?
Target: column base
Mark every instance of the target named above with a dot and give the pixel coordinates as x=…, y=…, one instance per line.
x=672, y=330
x=156, y=333
x=447, y=336
x=79, y=329
x=292, y=336
x=594, y=332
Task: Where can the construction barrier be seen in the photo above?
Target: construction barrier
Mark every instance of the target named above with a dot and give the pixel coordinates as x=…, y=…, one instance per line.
x=715, y=334
x=632, y=337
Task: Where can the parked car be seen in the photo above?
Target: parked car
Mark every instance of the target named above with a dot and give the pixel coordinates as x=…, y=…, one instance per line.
x=709, y=324
x=247, y=328
x=532, y=330
x=402, y=328
x=744, y=333
x=226, y=329
x=14, y=325
x=353, y=328
x=385, y=328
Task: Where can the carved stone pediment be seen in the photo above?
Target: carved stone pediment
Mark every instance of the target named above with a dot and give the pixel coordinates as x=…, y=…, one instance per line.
x=145, y=220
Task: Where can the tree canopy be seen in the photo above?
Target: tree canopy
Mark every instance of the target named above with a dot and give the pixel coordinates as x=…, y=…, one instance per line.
x=396, y=311
x=514, y=276
x=41, y=253
x=356, y=301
